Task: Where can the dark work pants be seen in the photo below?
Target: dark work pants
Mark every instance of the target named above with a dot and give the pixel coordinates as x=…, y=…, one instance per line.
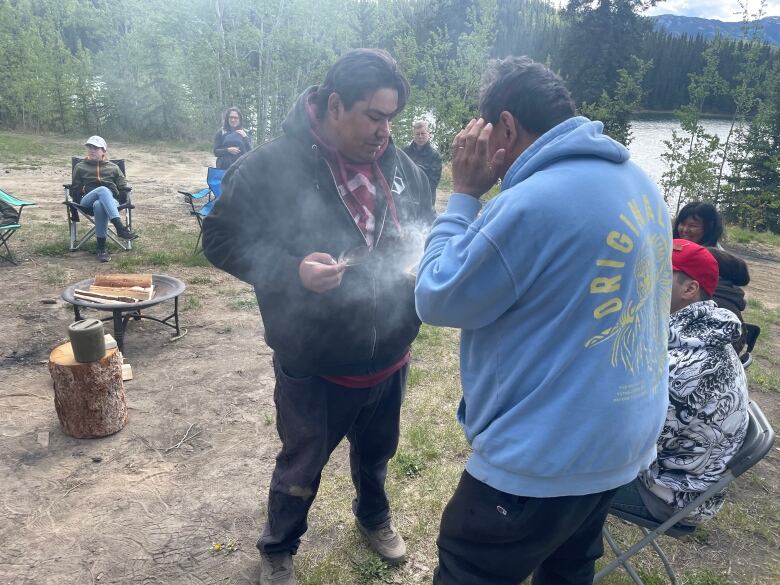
x=312, y=417
x=488, y=537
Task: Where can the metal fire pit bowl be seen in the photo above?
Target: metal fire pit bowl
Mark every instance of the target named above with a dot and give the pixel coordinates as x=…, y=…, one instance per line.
x=165, y=288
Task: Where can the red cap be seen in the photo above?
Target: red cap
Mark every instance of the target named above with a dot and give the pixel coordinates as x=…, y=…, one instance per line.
x=697, y=262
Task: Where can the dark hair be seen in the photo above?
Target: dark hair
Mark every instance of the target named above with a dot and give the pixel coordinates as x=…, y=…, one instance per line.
x=706, y=212
x=226, y=123
x=731, y=267
x=534, y=95
x=356, y=74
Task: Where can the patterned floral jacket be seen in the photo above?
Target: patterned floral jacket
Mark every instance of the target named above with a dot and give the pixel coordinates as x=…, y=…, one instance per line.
x=708, y=400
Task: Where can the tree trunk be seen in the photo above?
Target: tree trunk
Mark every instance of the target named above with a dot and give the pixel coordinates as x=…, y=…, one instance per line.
x=89, y=398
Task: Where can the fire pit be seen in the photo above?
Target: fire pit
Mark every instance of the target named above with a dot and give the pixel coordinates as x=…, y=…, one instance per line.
x=165, y=288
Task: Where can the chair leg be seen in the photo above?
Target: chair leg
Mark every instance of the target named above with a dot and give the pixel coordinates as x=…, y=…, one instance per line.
x=9, y=256
x=72, y=234
x=619, y=560
x=663, y=557
x=129, y=223
x=198, y=249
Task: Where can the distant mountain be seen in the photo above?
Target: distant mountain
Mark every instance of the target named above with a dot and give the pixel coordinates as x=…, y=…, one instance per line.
x=691, y=26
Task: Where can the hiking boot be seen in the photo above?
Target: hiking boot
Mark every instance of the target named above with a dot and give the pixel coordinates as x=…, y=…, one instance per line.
x=102, y=250
x=385, y=541
x=122, y=231
x=277, y=569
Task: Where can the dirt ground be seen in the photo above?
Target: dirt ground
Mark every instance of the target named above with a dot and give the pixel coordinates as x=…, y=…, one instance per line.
x=140, y=507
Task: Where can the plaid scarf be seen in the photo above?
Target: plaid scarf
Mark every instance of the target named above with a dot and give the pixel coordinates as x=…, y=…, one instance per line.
x=355, y=182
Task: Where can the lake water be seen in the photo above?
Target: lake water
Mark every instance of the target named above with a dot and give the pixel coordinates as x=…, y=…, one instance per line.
x=649, y=134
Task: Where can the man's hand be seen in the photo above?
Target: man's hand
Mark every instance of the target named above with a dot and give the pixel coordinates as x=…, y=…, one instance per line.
x=241, y=132
x=474, y=172
x=234, y=150
x=319, y=272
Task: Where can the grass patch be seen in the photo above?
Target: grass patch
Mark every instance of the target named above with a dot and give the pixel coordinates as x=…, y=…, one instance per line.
x=167, y=246
x=52, y=249
x=55, y=275
x=243, y=300
x=200, y=280
x=191, y=303
x=415, y=376
x=764, y=372
x=745, y=236
x=371, y=570
x=407, y=464
x=19, y=147
x=705, y=577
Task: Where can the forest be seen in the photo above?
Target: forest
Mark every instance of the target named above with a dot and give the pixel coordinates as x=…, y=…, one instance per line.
x=145, y=70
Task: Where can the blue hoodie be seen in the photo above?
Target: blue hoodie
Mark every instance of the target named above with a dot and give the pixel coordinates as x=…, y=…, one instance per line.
x=561, y=286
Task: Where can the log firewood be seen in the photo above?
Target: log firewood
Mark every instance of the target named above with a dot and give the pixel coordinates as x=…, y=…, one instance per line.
x=89, y=398
x=122, y=280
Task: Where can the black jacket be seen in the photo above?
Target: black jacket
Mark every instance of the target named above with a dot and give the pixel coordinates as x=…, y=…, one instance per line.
x=224, y=140
x=734, y=274
x=429, y=161
x=280, y=203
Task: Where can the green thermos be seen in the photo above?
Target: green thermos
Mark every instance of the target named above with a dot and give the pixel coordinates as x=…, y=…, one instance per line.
x=87, y=340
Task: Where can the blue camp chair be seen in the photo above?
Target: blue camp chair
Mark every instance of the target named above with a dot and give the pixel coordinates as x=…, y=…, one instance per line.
x=202, y=202
x=9, y=229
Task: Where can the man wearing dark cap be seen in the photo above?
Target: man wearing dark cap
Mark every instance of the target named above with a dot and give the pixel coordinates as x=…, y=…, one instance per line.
x=320, y=221
x=707, y=417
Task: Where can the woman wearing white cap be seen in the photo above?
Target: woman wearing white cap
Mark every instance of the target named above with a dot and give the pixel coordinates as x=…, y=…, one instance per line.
x=99, y=182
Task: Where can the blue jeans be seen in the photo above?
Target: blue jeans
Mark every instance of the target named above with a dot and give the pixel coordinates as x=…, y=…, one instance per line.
x=103, y=205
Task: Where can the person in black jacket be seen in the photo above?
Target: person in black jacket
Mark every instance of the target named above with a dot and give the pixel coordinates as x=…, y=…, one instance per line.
x=425, y=156
x=325, y=222
x=700, y=222
x=231, y=141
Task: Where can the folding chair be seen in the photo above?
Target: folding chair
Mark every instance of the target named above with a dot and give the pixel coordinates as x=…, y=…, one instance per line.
x=9, y=229
x=199, y=208
x=751, y=335
x=758, y=442
x=72, y=199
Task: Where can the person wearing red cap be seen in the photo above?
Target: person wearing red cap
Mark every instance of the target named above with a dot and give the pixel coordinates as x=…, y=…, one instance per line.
x=708, y=398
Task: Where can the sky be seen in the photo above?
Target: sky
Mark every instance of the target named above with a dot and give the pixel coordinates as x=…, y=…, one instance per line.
x=726, y=10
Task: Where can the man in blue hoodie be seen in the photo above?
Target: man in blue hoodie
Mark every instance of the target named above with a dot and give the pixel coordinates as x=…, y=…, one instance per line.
x=561, y=287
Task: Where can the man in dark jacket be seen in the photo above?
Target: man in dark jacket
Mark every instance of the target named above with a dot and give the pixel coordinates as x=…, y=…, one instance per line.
x=425, y=156
x=324, y=222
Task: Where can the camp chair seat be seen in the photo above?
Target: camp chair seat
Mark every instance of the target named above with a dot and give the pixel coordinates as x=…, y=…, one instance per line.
x=124, y=204
x=758, y=441
x=8, y=230
x=200, y=209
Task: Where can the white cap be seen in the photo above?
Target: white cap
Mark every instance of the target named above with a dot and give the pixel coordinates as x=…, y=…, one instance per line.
x=96, y=141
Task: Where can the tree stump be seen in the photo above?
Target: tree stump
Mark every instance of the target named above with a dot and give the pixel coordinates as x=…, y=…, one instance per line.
x=90, y=397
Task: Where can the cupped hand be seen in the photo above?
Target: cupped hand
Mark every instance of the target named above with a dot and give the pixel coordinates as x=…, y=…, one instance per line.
x=474, y=170
x=319, y=272
x=234, y=150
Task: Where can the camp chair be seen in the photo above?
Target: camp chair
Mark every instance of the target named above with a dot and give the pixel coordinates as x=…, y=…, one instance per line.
x=9, y=229
x=758, y=442
x=751, y=335
x=202, y=202
x=75, y=211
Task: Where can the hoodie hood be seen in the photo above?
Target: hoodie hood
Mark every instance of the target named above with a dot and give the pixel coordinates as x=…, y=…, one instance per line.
x=575, y=137
x=727, y=292
x=297, y=121
x=703, y=324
